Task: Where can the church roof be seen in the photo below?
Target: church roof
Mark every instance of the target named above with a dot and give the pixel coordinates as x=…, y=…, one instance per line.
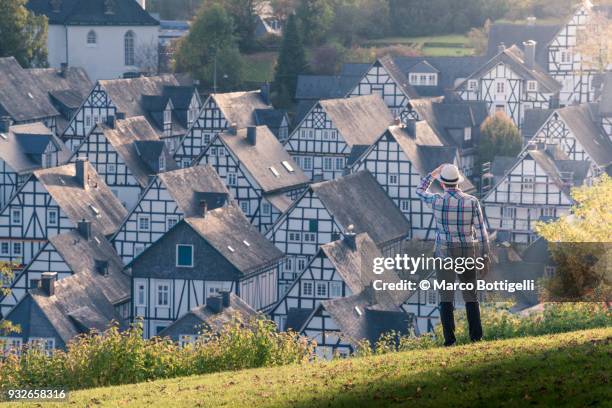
x=93, y=12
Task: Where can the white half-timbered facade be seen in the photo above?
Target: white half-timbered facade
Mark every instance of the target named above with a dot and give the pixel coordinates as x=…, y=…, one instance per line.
x=262, y=177
x=326, y=210
x=577, y=131
x=334, y=130
x=166, y=104
x=128, y=154
x=218, y=251
x=399, y=159
x=511, y=82
x=536, y=188
x=167, y=199
x=386, y=79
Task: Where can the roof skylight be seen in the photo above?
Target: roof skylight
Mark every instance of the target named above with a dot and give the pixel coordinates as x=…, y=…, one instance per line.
x=288, y=166
x=274, y=171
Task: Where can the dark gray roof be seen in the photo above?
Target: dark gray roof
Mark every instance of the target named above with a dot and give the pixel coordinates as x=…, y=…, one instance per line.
x=96, y=203
x=139, y=146
x=202, y=318
x=233, y=236
x=186, y=186
x=93, y=12
x=267, y=153
x=21, y=97
x=366, y=316
x=517, y=34
x=296, y=317
x=533, y=121
x=398, y=76
x=359, y=200
x=513, y=56
x=359, y=120
x=555, y=163
x=23, y=146
x=316, y=87
x=583, y=121
x=81, y=255
x=355, y=265
x=273, y=118
x=239, y=107
x=501, y=164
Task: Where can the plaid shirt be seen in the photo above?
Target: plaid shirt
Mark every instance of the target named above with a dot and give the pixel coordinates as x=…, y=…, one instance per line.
x=459, y=220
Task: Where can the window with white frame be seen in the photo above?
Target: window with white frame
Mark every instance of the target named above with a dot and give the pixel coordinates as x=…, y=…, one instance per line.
x=141, y=295
x=5, y=248
x=171, y=221
x=532, y=86
x=300, y=264
x=500, y=87
x=128, y=45
x=92, y=38
x=245, y=207
x=295, y=236
x=162, y=162
x=339, y=163
x=52, y=216
x=309, y=237
x=566, y=57
x=405, y=205
x=307, y=288
x=327, y=163
x=307, y=161
x=321, y=289
x=184, y=255
x=472, y=85
x=144, y=223
x=16, y=215
x=548, y=212
x=335, y=289
x=11, y=345
x=232, y=179
x=163, y=294
x=288, y=265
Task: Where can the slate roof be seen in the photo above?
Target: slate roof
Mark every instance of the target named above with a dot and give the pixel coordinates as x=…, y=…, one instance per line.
x=359, y=200
x=500, y=166
x=227, y=227
x=398, y=76
x=147, y=96
x=273, y=118
x=517, y=34
x=239, y=107
x=583, y=120
x=23, y=146
x=204, y=318
x=359, y=120
x=185, y=186
x=513, y=57
x=139, y=146
x=366, y=315
x=21, y=97
x=93, y=12
x=259, y=158
x=355, y=266
x=316, y=87
x=533, y=121
x=96, y=203
x=66, y=90
x=555, y=163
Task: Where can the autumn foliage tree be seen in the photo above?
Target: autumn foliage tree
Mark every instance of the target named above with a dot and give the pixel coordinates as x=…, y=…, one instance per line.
x=594, y=43
x=499, y=136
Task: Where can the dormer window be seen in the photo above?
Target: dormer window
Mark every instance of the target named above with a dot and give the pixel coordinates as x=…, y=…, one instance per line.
x=532, y=86
x=423, y=79
x=92, y=38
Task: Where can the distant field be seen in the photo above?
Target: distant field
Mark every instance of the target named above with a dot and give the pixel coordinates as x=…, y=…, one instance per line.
x=563, y=370
x=441, y=45
x=259, y=67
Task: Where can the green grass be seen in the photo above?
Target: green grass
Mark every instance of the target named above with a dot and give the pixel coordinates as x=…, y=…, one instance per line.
x=259, y=67
x=447, y=51
x=570, y=369
x=449, y=39
x=434, y=46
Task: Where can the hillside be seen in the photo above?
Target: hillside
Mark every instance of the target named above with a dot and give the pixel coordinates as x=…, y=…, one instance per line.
x=570, y=369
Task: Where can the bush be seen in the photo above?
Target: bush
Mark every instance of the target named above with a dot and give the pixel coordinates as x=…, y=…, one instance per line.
x=114, y=357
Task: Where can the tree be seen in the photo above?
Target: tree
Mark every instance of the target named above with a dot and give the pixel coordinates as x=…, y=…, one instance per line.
x=479, y=38
x=594, y=43
x=6, y=275
x=316, y=17
x=498, y=137
x=245, y=22
x=146, y=57
x=579, y=246
x=291, y=63
x=210, y=52
x=24, y=34
x=283, y=8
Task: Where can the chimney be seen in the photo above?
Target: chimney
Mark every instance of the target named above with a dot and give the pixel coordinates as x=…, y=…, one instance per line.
x=63, y=69
x=84, y=229
x=215, y=303
x=532, y=146
x=101, y=267
x=203, y=207
x=47, y=282
x=252, y=135
x=81, y=166
x=110, y=121
x=530, y=51
x=350, y=237
x=5, y=123
x=411, y=128
x=501, y=47
x=232, y=129
x=225, y=297
x=119, y=115
x=265, y=93
x=397, y=122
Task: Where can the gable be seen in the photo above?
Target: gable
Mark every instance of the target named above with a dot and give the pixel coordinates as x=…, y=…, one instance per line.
x=315, y=133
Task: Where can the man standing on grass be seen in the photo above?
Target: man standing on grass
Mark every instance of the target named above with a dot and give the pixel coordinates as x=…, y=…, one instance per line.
x=460, y=233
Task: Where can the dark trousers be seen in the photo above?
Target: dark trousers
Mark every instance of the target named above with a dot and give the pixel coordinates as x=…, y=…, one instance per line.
x=470, y=298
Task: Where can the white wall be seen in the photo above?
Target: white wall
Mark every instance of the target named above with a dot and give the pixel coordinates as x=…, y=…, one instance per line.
x=104, y=60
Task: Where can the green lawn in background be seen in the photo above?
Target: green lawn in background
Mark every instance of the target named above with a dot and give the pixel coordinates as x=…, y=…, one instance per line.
x=570, y=369
x=259, y=67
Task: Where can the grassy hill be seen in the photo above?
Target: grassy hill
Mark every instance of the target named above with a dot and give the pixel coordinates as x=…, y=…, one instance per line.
x=570, y=369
